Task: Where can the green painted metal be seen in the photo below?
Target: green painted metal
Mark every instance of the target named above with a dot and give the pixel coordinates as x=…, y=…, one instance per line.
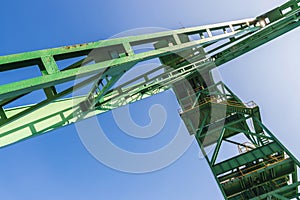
x=265, y=169
x=268, y=162
x=211, y=111
x=126, y=43
x=22, y=87
x=36, y=119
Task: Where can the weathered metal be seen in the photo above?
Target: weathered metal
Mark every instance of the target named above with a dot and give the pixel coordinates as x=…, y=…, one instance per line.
x=211, y=111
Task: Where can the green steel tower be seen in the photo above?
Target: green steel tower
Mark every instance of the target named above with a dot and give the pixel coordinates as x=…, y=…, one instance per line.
x=263, y=170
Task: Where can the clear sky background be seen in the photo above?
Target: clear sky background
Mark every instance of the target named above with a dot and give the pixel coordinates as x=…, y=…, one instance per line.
x=57, y=166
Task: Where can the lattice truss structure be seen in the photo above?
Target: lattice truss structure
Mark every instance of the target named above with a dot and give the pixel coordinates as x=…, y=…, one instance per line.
x=264, y=169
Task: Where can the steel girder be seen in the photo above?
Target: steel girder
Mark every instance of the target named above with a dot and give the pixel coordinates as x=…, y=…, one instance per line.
x=102, y=63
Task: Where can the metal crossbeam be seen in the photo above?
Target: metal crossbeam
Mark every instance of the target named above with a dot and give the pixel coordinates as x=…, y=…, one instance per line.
x=185, y=51
x=13, y=61
x=17, y=60
x=28, y=121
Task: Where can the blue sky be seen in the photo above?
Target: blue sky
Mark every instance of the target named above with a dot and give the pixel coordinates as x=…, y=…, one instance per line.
x=57, y=166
